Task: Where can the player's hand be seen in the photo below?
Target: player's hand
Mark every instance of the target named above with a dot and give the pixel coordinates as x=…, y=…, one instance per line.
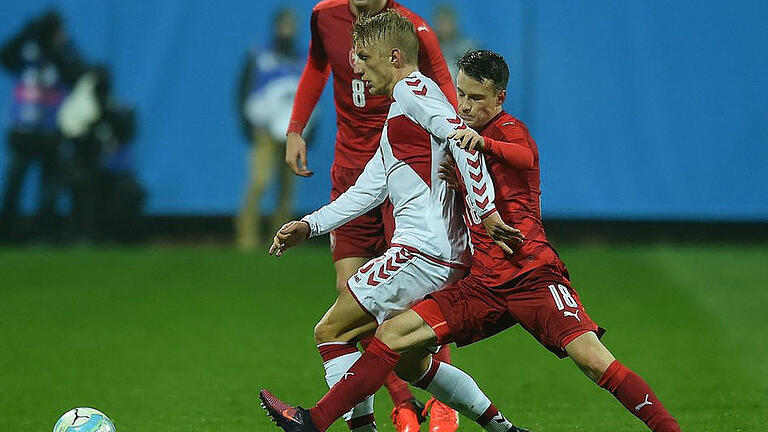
x=296, y=155
x=289, y=235
x=447, y=172
x=467, y=139
x=502, y=234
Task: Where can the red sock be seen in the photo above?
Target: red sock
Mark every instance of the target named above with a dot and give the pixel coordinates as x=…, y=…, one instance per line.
x=637, y=397
x=363, y=379
x=397, y=388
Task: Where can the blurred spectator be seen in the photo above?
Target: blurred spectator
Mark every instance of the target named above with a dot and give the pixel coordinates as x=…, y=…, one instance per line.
x=44, y=64
x=267, y=86
x=107, y=199
x=452, y=42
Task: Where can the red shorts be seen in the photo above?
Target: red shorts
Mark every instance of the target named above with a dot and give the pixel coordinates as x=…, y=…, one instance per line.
x=542, y=301
x=367, y=236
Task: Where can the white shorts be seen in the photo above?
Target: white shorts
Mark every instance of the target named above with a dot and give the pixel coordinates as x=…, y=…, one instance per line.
x=390, y=284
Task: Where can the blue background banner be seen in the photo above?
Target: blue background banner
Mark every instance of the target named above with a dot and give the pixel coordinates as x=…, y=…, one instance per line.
x=641, y=109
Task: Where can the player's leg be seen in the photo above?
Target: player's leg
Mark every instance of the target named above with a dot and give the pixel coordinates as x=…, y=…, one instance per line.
x=407, y=411
x=347, y=392
x=350, y=252
x=592, y=357
x=352, y=246
x=344, y=321
x=442, y=418
x=335, y=334
x=550, y=309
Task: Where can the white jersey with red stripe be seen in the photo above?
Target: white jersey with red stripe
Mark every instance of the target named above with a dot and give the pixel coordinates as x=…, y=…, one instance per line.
x=427, y=214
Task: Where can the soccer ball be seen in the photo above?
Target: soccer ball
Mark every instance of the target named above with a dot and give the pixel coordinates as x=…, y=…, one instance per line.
x=84, y=420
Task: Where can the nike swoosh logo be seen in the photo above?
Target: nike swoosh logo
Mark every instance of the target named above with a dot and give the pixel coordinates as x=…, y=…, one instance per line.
x=287, y=414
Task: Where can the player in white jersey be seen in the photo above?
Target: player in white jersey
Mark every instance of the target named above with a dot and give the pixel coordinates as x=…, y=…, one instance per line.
x=429, y=244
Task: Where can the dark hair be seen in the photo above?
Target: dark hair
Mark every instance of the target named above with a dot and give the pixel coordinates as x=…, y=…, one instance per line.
x=47, y=25
x=484, y=64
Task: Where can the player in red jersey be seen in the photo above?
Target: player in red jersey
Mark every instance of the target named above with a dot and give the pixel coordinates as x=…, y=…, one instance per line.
x=530, y=287
x=360, y=118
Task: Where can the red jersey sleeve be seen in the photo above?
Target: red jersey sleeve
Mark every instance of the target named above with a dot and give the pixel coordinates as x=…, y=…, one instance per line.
x=432, y=63
x=513, y=150
x=312, y=81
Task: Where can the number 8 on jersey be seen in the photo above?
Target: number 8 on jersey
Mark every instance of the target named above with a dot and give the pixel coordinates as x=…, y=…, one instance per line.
x=358, y=93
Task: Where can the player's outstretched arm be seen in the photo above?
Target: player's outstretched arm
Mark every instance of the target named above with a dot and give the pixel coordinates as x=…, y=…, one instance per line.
x=289, y=235
x=369, y=191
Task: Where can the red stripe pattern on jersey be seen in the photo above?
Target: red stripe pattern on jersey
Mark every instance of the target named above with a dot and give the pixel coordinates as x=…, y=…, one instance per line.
x=380, y=270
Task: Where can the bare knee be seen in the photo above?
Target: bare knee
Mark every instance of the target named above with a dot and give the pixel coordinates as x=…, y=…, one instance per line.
x=405, y=332
x=590, y=355
x=390, y=335
x=321, y=332
x=594, y=366
x=345, y=321
x=326, y=332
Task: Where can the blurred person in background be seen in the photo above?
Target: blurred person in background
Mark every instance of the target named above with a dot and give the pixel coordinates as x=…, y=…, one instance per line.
x=452, y=42
x=44, y=64
x=266, y=89
x=360, y=118
x=107, y=199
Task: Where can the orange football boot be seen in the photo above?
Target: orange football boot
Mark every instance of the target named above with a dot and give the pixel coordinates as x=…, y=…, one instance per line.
x=407, y=416
x=442, y=418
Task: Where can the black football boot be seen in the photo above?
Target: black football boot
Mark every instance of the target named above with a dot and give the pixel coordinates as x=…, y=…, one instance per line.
x=286, y=416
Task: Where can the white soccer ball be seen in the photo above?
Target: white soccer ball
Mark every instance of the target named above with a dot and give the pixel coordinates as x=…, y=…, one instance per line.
x=84, y=420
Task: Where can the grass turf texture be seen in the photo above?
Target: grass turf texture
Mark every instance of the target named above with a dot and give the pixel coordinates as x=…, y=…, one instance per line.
x=181, y=339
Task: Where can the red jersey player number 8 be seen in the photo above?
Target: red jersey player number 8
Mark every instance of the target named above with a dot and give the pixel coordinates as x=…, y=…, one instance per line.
x=358, y=92
x=358, y=85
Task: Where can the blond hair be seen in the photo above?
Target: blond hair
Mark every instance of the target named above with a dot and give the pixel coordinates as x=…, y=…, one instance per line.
x=385, y=31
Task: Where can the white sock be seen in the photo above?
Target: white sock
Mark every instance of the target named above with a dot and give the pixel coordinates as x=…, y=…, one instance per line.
x=335, y=369
x=455, y=388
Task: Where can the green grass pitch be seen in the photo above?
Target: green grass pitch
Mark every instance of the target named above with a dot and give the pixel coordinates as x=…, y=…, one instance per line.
x=182, y=339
